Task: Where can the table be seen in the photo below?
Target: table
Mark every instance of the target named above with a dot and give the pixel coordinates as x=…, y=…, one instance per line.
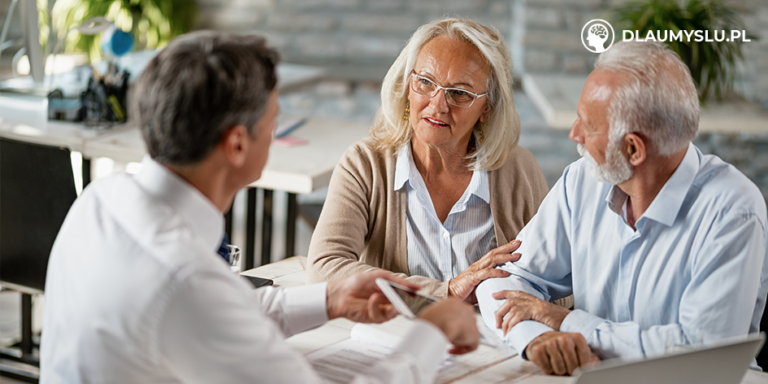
x=300, y=169
x=25, y=117
x=485, y=365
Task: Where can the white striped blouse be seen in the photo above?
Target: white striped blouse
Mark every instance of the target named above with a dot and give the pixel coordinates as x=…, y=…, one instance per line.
x=443, y=250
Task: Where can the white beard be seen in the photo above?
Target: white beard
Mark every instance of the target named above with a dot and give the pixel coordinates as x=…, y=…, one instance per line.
x=616, y=169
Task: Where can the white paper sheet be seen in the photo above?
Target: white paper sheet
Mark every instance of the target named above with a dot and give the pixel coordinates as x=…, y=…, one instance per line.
x=366, y=346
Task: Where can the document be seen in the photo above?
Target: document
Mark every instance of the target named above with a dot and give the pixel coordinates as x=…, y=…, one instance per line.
x=366, y=346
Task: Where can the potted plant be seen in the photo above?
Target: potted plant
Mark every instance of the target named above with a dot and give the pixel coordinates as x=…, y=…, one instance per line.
x=151, y=22
x=712, y=64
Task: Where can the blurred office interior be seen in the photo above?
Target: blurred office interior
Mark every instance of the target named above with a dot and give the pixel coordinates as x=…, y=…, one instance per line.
x=355, y=41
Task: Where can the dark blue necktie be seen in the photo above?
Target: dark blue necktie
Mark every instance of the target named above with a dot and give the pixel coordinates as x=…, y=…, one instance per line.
x=223, y=248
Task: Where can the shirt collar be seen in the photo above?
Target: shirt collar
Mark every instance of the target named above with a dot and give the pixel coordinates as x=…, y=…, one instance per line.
x=481, y=189
x=616, y=199
x=199, y=213
x=666, y=205
x=404, y=168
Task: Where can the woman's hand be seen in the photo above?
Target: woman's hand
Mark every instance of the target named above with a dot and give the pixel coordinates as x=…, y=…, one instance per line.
x=463, y=286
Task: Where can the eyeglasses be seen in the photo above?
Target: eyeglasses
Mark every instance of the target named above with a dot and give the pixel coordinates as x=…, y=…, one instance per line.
x=454, y=96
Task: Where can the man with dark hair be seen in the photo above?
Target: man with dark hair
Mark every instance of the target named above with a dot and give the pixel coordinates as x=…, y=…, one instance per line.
x=135, y=291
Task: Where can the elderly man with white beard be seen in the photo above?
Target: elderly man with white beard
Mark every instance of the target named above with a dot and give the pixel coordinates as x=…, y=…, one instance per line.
x=661, y=246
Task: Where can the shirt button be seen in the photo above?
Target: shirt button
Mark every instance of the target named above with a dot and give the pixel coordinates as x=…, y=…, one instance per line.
x=445, y=235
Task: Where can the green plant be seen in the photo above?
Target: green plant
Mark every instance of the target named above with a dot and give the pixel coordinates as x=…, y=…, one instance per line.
x=712, y=64
x=152, y=22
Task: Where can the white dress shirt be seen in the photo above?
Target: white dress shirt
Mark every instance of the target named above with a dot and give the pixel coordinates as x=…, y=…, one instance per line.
x=693, y=272
x=136, y=293
x=444, y=250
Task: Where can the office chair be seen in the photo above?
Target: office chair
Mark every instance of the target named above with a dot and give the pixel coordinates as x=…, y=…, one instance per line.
x=37, y=188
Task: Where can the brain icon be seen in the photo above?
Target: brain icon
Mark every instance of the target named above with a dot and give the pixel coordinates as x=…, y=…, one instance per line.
x=599, y=30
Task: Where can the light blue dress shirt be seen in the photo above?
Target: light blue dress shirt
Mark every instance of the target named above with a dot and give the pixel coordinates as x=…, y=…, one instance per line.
x=443, y=250
x=694, y=271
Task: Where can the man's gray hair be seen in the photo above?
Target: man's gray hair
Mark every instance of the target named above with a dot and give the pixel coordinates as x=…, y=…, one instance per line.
x=198, y=87
x=659, y=99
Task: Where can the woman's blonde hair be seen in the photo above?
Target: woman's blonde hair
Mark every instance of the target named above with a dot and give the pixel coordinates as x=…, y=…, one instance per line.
x=501, y=129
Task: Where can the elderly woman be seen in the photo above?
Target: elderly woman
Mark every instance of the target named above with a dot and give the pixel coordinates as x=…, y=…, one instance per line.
x=440, y=188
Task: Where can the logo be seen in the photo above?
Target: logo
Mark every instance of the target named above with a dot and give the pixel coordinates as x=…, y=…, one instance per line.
x=597, y=35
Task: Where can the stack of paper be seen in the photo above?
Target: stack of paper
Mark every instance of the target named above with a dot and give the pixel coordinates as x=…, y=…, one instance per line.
x=366, y=346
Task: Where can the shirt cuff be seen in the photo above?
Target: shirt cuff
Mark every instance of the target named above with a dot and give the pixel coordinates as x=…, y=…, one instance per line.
x=523, y=333
x=581, y=322
x=427, y=344
x=305, y=307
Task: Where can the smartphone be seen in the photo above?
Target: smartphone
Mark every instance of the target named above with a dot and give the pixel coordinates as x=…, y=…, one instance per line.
x=407, y=301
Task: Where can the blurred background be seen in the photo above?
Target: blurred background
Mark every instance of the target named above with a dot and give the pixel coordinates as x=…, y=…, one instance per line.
x=355, y=42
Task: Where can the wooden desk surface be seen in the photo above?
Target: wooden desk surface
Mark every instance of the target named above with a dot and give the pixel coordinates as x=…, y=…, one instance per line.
x=485, y=365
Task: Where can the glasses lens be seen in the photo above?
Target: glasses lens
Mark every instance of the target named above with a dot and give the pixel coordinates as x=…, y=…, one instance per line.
x=422, y=86
x=454, y=96
x=459, y=98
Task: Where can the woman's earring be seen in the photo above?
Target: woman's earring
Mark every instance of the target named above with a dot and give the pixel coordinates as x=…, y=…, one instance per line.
x=407, y=112
x=480, y=135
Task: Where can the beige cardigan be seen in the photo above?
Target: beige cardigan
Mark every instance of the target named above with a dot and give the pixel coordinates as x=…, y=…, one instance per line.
x=362, y=225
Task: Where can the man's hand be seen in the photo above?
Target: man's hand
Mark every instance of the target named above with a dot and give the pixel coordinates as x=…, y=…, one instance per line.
x=463, y=285
x=521, y=306
x=457, y=321
x=359, y=299
x=560, y=353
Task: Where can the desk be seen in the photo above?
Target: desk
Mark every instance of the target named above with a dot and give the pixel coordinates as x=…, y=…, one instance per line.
x=25, y=117
x=481, y=366
x=300, y=169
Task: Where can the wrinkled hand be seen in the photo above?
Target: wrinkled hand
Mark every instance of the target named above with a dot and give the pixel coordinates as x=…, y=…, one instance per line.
x=457, y=321
x=521, y=306
x=463, y=285
x=359, y=299
x=560, y=353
